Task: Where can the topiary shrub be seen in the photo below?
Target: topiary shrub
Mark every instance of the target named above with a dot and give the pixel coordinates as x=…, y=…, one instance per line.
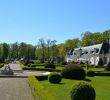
x=82, y=91
x=50, y=65
x=29, y=65
x=73, y=71
x=107, y=68
x=90, y=73
x=54, y=77
x=64, y=63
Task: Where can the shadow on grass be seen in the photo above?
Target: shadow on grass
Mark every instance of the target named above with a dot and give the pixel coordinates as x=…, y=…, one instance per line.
x=58, y=83
x=88, y=80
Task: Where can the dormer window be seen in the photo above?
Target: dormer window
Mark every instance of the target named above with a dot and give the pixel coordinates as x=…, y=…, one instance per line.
x=86, y=52
x=97, y=50
x=91, y=51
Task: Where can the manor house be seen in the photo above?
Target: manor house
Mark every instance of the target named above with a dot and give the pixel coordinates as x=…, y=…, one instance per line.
x=90, y=54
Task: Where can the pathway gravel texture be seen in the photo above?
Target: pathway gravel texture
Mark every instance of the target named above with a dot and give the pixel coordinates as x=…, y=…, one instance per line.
x=15, y=89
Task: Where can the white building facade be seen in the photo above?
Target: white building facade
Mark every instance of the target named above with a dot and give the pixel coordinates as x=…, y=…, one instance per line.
x=91, y=54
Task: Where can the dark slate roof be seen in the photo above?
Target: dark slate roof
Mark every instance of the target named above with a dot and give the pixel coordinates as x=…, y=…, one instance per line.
x=87, y=49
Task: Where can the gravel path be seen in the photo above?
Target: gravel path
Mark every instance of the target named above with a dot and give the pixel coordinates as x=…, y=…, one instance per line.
x=15, y=89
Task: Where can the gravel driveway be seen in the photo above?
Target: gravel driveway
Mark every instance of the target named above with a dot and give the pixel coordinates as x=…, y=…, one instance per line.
x=15, y=89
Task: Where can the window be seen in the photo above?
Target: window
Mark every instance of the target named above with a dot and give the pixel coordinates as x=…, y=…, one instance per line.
x=86, y=52
x=92, y=51
x=97, y=50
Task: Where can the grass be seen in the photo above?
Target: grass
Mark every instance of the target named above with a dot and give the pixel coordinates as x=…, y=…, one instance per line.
x=62, y=91
x=95, y=69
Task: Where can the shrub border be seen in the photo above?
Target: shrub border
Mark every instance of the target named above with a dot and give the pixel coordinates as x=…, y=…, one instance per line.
x=39, y=69
x=38, y=90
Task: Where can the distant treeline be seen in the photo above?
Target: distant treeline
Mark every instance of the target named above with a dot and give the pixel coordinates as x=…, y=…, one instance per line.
x=48, y=50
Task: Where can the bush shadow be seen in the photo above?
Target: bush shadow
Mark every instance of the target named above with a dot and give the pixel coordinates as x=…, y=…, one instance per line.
x=88, y=80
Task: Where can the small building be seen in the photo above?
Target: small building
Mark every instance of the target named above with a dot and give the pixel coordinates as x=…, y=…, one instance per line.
x=91, y=54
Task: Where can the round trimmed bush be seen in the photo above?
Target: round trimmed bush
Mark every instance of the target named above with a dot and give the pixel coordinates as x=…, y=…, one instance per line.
x=90, y=73
x=82, y=91
x=54, y=77
x=73, y=71
x=50, y=65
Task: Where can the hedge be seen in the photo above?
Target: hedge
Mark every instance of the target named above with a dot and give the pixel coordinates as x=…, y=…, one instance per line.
x=102, y=73
x=38, y=90
x=41, y=69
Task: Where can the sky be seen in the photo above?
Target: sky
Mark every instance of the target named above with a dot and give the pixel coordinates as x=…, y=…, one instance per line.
x=29, y=20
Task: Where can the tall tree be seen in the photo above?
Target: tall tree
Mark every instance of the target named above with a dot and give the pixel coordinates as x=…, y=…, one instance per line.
x=53, y=45
x=89, y=38
x=106, y=35
x=5, y=49
x=14, y=50
x=22, y=50
x=71, y=43
x=48, y=49
x=42, y=46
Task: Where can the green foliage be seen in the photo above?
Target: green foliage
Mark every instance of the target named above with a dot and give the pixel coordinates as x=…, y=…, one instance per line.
x=26, y=62
x=82, y=91
x=71, y=43
x=6, y=61
x=29, y=65
x=103, y=73
x=50, y=65
x=14, y=50
x=54, y=77
x=107, y=68
x=64, y=63
x=83, y=65
x=39, y=68
x=38, y=90
x=89, y=38
x=1, y=65
x=90, y=73
x=73, y=71
x=41, y=77
x=33, y=65
x=5, y=50
x=26, y=50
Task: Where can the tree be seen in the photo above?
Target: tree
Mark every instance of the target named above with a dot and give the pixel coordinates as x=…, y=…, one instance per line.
x=71, y=43
x=106, y=35
x=53, y=45
x=5, y=49
x=42, y=46
x=22, y=50
x=89, y=38
x=14, y=50
x=31, y=51
x=48, y=49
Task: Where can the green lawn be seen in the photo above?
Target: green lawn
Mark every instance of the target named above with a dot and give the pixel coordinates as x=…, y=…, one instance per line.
x=62, y=91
